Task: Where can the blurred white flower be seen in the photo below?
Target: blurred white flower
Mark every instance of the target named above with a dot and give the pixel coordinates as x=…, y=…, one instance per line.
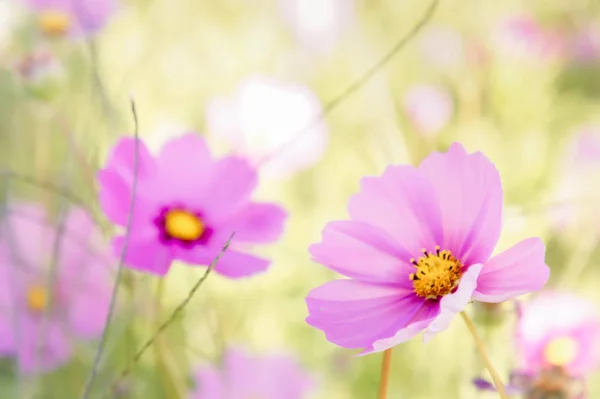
x=443, y=47
x=318, y=24
x=430, y=108
x=10, y=13
x=262, y=117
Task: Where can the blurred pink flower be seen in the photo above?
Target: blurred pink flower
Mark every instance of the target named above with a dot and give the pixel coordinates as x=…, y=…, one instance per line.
x=585, y=45
x=38, y=66
x=416, y=251
x=244, y=376
x=40, y=322
x=587, y=145
x=522, y=36
x=263, y=116
x=318, y=24
x=187, y=205
x=443, y=47
x=559, y=330
x=72, y=17
x=429, y=108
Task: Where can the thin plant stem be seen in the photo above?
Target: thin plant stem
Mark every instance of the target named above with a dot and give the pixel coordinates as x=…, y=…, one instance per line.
x=171, y=318
x=358, y=83
x=385, y=373
x=486, y=360
x=113, y=299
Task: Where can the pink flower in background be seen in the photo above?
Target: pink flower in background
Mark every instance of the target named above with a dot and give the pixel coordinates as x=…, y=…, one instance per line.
x=40, y=321
x=558, y=345
x=587, y=145
x=187, y=205
x=442, y=47
x=39, y=66
x=244, y=376
x=72, y=17
x=575, y=189
x=522, y=36
x=417, y=250
x=263, y=116
x=318, y=24
x=559, y=330
x=585, y=45
x=429, y=108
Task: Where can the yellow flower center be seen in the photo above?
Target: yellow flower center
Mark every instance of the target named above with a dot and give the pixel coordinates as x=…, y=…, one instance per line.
x=183, y=225
x=54, y=23
x=437, y=274
x=561, y=351
x=37, y=298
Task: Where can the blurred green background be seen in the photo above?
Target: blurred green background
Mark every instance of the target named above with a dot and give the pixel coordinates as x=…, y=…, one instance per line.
x=524, y=108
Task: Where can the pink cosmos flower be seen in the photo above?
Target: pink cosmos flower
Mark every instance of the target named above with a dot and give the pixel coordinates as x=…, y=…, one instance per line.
x=244, y=376
x=318, y=24
x=73, y=17
x=264, y=115
x=417, y=250
x=40, y=320
x=558, y=342
x=559, y=330
x=187, y=205
x=429, y=108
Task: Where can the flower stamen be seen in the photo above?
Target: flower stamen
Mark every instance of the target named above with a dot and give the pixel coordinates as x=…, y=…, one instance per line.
x=54, y=23
x=561, y=351
x=183, y=225
x=437, y=274
x=37, y=298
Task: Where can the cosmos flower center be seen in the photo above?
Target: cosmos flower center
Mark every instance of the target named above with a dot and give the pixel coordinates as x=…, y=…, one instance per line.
x=438, y=273
x=561, y=351
x=183, y=225
x=37, y=298
x=54, y=23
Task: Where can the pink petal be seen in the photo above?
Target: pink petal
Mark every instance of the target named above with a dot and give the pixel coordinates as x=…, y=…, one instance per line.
x=519, y=270
x=236, y=264
x=185, y=170
x=121, y=159
x=116, y=179
x=469, y=192
x=361, y=251
x=145, y=255
x=403, y=203
x=454, y=303
x=209, y=384
x=41, y=350
x=88, y=308
x=231, y=184
x=256, y=223
x=354, y=314
x=428, y=312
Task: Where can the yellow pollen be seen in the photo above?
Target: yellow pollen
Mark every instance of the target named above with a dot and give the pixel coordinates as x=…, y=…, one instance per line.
x=561, y=351
x=54, y=23
x=37, y=298
x=183, y=225
x=437, y=274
